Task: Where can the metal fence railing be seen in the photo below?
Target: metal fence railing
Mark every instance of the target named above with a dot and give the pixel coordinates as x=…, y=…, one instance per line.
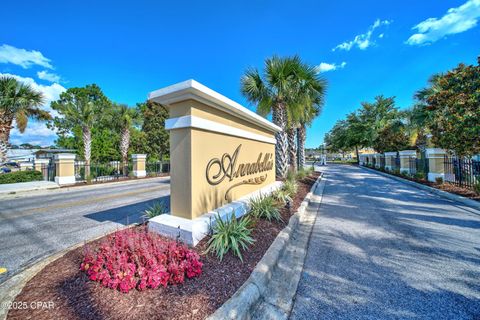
x=382, y=162
x=418, y=165
x=462, y=172
x=101, y=172
x=395, y=162
x=157, y=168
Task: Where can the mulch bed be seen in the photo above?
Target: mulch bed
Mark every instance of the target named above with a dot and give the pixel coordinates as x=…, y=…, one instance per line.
x=464, y=192
x=76, y=297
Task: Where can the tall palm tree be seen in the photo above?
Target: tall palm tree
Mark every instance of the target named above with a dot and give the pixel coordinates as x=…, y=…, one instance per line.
x=125, y=118
x=81, y=108
x=310, y=96
x=273, y=93
x=18, y=101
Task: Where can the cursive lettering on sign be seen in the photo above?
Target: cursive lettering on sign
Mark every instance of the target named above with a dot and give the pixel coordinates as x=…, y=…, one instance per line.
x=219, y=169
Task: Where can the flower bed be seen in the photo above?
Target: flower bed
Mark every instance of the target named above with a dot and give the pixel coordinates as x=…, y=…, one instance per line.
x=75, y=296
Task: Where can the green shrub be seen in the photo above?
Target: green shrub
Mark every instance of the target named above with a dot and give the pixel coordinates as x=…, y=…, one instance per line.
x=21, y=176
x=420, y=176
x=476, y=187
x=439, y=180
x=404, y=173
x=281, y=197
x=301, y=174
x=156, y=209
x=290, y=175
x=290, y=187
x=265, y=208
x=229, y=235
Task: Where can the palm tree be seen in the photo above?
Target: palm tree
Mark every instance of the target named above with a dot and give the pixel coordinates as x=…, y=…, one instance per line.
x=81, y=108
x=310, y=97
x=18, y=101
x=125, y=118
x=274, y=93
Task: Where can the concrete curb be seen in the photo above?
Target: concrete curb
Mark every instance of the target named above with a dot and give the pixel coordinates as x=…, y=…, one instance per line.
x=243, y=303
x=13, y=286
x=447, y=195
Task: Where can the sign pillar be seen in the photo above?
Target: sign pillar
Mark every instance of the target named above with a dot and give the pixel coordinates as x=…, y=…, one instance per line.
x=219, y=150
x=436, y=165
x=65, y=167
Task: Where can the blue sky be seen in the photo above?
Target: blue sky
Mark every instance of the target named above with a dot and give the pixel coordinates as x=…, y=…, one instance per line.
x=363, y=48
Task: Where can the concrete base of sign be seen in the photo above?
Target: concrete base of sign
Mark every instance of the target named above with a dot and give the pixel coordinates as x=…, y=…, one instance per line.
x=192, y=231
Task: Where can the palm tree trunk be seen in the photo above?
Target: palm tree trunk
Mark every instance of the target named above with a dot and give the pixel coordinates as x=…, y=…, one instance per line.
x=281, y=159
x=5, y=127
x=301, y=136
x=87, y=150
x=292, y=150
x=124, y=144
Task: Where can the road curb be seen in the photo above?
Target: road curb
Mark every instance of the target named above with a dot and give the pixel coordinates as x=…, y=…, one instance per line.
x=447, y=195
x=255, y=290
x=12, y=287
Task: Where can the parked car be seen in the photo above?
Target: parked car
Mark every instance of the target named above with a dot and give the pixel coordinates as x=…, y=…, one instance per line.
x=5, y=170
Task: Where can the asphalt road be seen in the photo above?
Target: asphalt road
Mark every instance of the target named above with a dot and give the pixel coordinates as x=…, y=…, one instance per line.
x=381, y=249
x=36, y=225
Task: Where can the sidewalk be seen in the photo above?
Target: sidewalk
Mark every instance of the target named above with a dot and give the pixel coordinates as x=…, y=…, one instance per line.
x=13, y=188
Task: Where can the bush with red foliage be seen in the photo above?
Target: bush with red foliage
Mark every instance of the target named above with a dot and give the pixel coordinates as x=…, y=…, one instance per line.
x=136, y=258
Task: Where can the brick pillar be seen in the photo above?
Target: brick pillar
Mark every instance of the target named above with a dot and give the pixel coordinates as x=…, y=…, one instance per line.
x=42, y=166
x=405, y=156
x=377, y=160
x=139, y=165
x=436, y=166
x=65, y=168
x=389, y=160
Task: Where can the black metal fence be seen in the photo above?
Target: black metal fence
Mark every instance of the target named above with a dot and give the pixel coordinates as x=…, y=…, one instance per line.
x=101, y=172
x=395, y=162
x=462, y=172
x=48, y=171
x=382, y=162
x=157, y=168
x=418, y=166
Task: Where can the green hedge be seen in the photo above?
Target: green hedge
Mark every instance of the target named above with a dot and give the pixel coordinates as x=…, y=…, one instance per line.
x=20, y=176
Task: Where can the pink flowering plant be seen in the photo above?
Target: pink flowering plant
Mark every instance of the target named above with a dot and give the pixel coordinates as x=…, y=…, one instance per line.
x=135, y=258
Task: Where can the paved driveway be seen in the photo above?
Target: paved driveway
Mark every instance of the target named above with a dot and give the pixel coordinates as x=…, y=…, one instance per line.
x=36, y=225
x=381, y=249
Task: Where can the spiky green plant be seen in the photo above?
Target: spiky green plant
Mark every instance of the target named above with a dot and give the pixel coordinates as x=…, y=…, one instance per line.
x=301, y=174
x=156, y=209
x=230, y=234
x=290, y=176
x=265, y=208
x=290, y=187
x=281, y=197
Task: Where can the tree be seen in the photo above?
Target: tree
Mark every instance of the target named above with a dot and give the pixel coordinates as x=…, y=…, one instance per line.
x=154, y=134
x=453, y=102
x=18, y=101
x=275, y=92
x=124, y=119
x=382, y=125
x=80, y=109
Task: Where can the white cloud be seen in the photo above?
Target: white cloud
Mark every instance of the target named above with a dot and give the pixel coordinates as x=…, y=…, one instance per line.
x=456, y=20
x=37, y=131
x=364, y=40
x=45, y=75
x=22, y=57
x=324, y=67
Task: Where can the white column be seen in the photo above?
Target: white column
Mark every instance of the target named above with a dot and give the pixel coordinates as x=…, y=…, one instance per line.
x=389, y=159
x=436, y=166
x=65, y=168
x=405, y=156
x=139, y=165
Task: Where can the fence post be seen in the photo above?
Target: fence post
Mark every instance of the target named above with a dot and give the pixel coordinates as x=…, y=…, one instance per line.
x=405, y=156
x=42, y=166
x=65, y=168
x=362, y=159
x=388, y=160
x=436, y=165
x=139, y=165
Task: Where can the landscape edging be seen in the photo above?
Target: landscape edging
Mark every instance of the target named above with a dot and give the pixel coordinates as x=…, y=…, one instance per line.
x=244, y=300
x=444, y=194
x=12, y=287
